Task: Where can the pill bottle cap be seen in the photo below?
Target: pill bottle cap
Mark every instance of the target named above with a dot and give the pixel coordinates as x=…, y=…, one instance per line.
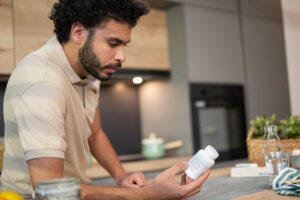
x=211, y=152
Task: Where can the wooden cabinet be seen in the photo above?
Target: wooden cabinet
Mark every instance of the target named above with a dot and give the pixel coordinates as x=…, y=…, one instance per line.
x=149, y=48
x=32, y=26
x=6, y=39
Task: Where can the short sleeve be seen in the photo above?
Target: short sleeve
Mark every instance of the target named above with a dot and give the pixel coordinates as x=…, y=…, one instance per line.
x=40, y=119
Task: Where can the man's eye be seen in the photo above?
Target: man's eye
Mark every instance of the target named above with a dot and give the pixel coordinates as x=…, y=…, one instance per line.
x=113, y=44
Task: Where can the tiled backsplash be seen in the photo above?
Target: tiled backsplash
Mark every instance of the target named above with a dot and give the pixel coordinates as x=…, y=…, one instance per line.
x=120, y=117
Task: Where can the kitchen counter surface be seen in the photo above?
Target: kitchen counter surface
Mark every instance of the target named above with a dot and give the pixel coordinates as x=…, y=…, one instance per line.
x=219, y=186
x=97, y=171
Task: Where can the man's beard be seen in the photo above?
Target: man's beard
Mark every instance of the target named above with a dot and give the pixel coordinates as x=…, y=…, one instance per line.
x=90, y=61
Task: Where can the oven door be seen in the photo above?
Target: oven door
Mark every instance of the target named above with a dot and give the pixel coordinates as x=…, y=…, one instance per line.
x=220, y=122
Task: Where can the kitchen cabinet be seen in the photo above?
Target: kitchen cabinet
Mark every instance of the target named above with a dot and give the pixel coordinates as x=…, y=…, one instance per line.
x=6, y=39
x=149, y=48
x=213, y=44
x=32, y=26
x=265, y=61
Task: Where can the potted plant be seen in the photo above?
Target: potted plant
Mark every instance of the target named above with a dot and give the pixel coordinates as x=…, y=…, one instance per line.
x=290, y=127
x=259, y=123
x=255, y=135
x=288, y=130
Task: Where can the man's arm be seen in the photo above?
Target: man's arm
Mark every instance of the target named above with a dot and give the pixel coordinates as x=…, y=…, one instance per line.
x=163, y=187
x=41, y=169
x=103, y=151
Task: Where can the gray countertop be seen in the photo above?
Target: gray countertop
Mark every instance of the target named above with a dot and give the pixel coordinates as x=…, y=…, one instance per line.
x=108, y=181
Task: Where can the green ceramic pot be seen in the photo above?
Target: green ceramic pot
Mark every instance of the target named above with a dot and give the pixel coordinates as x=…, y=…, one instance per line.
x=153, y=148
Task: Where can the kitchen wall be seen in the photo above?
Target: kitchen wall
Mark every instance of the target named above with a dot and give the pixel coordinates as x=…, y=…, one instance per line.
x=120, y=117
x=164, y=105
x=266, y=81
x=240, y=43
x=217, y=41
x=291, y=21
x=213, y=41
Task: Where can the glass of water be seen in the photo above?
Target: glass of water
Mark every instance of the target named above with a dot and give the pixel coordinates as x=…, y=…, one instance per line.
x=275, y=162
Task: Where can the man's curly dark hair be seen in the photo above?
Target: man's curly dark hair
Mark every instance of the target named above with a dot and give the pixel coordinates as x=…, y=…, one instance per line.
x=94, y=12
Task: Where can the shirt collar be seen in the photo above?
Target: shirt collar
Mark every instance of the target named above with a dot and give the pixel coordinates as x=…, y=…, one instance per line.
x=58, y=55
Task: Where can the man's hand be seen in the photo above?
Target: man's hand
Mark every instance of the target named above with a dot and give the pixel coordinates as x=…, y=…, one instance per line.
x=165, y=186
x=135, y=180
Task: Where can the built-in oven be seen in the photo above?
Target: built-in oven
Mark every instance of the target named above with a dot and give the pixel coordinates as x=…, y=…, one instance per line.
x=218, y=118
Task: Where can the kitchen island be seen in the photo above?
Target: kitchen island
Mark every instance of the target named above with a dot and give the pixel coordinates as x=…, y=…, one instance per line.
x=219, y=186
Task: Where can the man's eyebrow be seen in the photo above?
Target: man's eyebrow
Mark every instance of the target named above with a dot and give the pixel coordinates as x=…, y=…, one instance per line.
x=119, y=40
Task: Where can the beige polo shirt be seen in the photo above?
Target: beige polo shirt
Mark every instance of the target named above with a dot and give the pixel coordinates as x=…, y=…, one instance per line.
x=48, y=111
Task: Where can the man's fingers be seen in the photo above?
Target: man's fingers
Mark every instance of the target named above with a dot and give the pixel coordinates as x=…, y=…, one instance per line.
x=198, y=182
x=140, y=180
x=145, y=181
x=195, y=191
x=133, y=186
x=178, y=168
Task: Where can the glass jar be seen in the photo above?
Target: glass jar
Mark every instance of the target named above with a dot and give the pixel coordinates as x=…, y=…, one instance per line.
x=270, y=141
x=58, y=189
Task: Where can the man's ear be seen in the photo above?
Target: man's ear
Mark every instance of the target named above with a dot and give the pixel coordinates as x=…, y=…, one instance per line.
x=78, y=33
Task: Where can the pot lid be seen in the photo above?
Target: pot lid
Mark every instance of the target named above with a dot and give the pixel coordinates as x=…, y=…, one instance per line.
x=153, y=139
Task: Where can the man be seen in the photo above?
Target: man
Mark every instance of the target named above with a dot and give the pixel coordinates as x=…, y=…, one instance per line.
x=51, y=114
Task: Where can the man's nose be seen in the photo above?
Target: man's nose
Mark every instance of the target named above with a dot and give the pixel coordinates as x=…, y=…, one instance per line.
x=120, y=55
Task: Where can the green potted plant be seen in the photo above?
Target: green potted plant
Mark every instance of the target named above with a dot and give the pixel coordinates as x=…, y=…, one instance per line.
x=288, y=130
x=290, y=127
x=259, y=123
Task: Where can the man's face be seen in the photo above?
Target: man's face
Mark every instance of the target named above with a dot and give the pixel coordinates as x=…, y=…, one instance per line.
x=103, y=51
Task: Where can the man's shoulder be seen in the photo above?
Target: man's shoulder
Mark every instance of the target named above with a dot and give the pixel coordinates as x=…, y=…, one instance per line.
x=37, y=67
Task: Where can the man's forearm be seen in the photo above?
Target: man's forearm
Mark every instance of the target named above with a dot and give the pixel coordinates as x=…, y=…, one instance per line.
x=90, y=192
x=103, y=151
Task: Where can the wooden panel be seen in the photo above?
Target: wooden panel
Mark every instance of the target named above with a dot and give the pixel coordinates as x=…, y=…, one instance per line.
x=6, y=39
x=148, y=49
x=32, y=26
x=149, y=43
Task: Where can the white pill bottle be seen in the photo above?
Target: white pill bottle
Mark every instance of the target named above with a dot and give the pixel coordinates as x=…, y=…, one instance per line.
x=201, y=161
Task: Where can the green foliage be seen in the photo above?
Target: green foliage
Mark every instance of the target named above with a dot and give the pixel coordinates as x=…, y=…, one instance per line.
x=287, y=128
x=290, y=127
x=259, y=123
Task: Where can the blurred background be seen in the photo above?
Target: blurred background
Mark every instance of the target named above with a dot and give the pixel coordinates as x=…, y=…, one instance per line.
x=206, y=68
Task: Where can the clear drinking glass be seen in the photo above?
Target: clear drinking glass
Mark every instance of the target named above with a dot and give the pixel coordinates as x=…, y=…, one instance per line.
x=275, y=162
x=58, y=189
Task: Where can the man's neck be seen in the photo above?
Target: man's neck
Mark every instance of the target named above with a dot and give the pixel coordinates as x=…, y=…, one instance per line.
x=71, y=51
